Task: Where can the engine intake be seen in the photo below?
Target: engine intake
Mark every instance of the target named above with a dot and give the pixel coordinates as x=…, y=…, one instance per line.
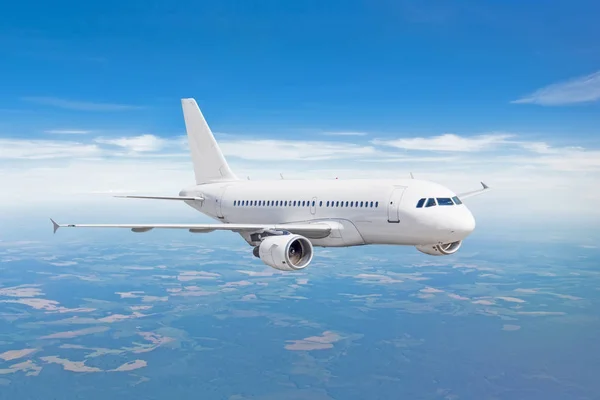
x=440, y=249
x=286, y=252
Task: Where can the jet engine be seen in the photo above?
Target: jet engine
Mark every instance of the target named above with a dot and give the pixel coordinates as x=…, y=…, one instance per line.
x=440, y=249
x=285, y=252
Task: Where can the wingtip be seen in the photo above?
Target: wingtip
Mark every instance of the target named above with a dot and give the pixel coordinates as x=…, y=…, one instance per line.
x=55, y=225
x=484, y=185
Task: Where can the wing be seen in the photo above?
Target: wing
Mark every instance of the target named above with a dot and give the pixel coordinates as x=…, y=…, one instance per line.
x=314, y=230
x=474, y=192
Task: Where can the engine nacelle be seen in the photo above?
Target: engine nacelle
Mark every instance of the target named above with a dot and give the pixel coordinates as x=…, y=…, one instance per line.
x=286, y=252
x=440, y=249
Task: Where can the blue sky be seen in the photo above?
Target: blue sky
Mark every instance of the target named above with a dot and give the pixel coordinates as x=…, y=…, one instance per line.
x=456, y=92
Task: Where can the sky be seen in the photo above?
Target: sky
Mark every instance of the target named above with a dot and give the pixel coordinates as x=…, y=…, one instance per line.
x=456, y=92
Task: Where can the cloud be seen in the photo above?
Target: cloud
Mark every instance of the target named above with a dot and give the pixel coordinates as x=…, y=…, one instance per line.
x=79, y=105
x=141, y=143
x=345, y=133
x=80, y=332
x=45, y=149
x=448, y=142
x=67, y=132
x=291, y=150
x=68, y=365
x=130, y=366
x=538, y=147
x=583, y=89
x=325, y=341
x=14, y=354
x=537, y=175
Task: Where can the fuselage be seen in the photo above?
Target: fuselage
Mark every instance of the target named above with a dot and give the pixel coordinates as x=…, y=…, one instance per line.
x=370, y=211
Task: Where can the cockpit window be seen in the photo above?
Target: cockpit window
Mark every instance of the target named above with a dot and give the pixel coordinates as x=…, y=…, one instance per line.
x=430, y=203
x=420, y=203
x=457, y=200
x=444, y=201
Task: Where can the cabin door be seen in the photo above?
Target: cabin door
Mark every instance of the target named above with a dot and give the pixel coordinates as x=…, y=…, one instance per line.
x=219, y=203
x=394, y=204
x=313, y=206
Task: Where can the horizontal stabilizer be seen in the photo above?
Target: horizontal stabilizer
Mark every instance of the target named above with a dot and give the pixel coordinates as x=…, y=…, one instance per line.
x=164, y=197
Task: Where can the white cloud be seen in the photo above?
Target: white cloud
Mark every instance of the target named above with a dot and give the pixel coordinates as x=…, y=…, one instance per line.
x=79, y=105
x=268, y=150
x=538, y=147
x=537, y=176
x=579, y=90
x=448, y=142
x=345, y=133
x=67, y=132
x=136, y=143
x=44, y=149
x=570, y=160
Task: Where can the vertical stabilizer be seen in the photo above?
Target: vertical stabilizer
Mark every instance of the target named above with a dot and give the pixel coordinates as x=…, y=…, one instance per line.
x=209, y=163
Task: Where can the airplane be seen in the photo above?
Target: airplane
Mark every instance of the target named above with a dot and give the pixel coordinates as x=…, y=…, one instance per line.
x=285, y=219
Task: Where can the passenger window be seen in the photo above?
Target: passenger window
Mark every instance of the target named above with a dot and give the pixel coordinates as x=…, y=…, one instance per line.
x=457, y=200
x=313, y=203
x=371, y=204
x=420, y=203
x=430, y=203
x=444, y=201
x=376, y=204
x=321, y=203
x=337, y=203
x=361, y=203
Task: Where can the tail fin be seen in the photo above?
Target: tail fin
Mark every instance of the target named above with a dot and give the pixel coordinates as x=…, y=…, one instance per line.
x=209, y=163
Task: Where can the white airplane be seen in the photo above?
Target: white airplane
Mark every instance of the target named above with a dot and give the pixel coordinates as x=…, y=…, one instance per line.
x=283, y=219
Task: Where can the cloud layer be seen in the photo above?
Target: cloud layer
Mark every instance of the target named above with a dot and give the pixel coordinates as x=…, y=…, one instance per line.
x=583, y=89
x=536, y=177
x=448, y=142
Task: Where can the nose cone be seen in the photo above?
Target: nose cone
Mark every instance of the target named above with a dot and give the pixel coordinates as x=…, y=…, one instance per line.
x=464, y=224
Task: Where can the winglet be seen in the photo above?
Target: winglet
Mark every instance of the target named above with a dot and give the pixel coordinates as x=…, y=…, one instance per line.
x=55, y=225
x=485, y=188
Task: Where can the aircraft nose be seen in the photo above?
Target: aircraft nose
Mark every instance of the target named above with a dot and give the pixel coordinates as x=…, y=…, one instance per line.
x=464, y=224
